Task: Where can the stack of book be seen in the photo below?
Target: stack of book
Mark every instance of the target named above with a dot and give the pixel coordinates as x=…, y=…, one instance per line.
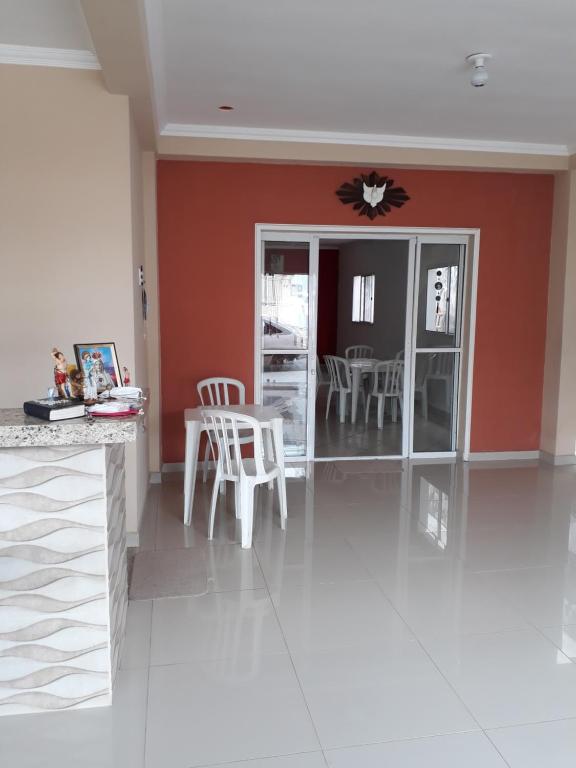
x=55, y=409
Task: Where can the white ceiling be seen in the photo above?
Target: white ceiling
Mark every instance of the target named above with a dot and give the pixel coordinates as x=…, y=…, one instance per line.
x=376, y=70
x=368, y=66
x=44, y=24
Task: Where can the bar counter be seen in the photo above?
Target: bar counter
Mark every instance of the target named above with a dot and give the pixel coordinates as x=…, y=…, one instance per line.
x=63, y=580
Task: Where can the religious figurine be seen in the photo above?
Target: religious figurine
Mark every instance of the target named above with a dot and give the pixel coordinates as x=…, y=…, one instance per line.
x=61, y=373
x=126, y=376
x=76, y=379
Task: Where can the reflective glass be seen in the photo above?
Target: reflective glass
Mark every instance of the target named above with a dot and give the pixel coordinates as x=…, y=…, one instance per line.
x=434, y=401
x=438, y=296
x=284, y=385
x=285, y=296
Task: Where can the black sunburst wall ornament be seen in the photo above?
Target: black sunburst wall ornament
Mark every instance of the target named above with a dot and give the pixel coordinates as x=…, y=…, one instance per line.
x=372, y=195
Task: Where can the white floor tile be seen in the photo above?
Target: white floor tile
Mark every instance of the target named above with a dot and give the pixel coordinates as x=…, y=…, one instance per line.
x=563, y=638
x=136, y=647
x=102, y=737
x=508, y=678
x=194, y=571
x=323, y=616
x=460, y=750
x=543, y=596
x=220, y=711
x=440, y=598
x=380, y=693
x=309, y=760
x=289, y=562
x=221, y=625
x=552, y=745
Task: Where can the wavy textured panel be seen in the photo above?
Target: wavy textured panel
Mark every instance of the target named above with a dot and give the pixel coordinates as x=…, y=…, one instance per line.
x=116, y=551
x=47, y=627
x=40, y=475
x=47, y=576
x=33, y=531
x=36, y=502
x=42, y=700
x=48, y=453
x=48, y=675
x=46, y=653
x=36, y=554
x=45, y=604
x=35, y=658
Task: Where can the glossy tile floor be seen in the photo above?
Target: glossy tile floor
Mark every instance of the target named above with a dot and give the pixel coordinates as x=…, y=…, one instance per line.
x=416, y=615
x=332, y=438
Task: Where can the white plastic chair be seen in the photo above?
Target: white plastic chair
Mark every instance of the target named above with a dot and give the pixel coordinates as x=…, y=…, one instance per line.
x=358, y=350
x=340, y=382
x=218, y=390
x=387, y=384
x=224, y=429
x=321, y=379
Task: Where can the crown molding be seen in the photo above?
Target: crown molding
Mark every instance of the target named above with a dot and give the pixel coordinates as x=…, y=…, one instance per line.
x=361, y=139
x=47, y=57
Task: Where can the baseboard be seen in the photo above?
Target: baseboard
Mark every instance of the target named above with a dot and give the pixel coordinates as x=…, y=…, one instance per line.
x=557, y=460
x=132, y=539
x=155, y=478
x=504, y=456
x=179, y=466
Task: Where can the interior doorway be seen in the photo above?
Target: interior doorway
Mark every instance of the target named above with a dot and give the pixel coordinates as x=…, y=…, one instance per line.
x=361, y=317
x=380, y=322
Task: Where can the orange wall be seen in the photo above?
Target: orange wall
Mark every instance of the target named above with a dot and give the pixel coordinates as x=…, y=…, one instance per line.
x=206, y=217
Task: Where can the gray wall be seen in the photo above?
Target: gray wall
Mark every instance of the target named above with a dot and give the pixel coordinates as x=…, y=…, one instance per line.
x=388, y=261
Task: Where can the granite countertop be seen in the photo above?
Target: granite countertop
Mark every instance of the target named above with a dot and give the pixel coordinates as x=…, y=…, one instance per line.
x=19, y=430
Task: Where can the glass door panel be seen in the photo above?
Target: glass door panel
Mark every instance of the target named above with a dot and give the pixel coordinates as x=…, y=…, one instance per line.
x=285, y=296
x=435, y=406
x=285, y=385
x=437, y=334
x=285, y=348
x=438, y=320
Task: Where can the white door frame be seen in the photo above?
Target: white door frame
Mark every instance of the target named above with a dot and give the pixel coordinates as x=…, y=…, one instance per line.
x=312, y=234
x=444, y=239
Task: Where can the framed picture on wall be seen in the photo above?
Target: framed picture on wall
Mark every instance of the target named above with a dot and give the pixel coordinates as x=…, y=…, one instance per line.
x=99, y=364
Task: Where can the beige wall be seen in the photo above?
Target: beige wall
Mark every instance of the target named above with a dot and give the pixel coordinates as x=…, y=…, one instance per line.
x=70, y=193
x=353, y=154
x=153, y=323
x=558, y=436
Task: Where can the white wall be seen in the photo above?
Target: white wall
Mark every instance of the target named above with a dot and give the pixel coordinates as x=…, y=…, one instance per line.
x=70, y=202
x=558, y=403
x=388, y=261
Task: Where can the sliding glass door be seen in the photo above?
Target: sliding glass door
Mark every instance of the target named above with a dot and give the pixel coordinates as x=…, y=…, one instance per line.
x=285, y=344
x=437, y=334
x=436, y=277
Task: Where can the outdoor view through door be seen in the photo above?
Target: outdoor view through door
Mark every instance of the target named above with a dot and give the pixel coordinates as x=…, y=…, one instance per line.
x=359, y=342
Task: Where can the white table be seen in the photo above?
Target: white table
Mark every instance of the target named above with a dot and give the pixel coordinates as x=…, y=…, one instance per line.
x=358, y=367
x=269, y=418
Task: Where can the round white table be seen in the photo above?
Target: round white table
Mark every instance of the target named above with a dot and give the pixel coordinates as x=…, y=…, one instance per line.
x=269, y=418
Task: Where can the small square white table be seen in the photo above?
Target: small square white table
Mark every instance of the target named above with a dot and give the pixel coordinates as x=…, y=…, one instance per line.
x=269, y=418
x=359, y=366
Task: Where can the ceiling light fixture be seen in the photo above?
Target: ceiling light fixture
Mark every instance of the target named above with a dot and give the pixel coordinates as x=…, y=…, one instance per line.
x=479, y=72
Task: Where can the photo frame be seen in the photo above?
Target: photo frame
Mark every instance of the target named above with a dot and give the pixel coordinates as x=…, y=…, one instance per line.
x=98, y=363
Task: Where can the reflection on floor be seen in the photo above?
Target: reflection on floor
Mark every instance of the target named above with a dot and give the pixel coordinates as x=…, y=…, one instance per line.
x=411, y=615
x=365, y=439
